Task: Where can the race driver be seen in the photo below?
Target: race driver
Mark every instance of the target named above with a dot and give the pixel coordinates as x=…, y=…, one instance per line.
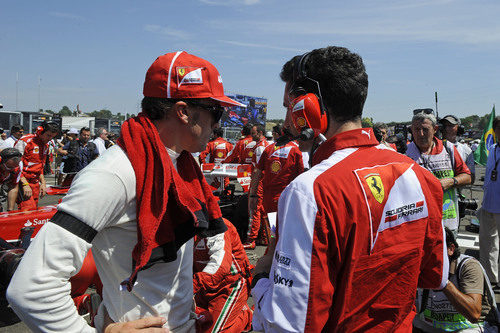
x=35, y=148
x=361, y=229
x=142, y=235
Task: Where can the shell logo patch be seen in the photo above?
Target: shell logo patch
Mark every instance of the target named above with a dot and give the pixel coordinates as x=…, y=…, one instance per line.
x=275, y=166
x=301, y=122
x=189, y=75
x=36, y=150
x=220, y=154
x=376, y=186
x=250, y=153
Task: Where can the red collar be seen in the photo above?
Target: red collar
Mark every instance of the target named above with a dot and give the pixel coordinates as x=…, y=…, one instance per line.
x=360, y=137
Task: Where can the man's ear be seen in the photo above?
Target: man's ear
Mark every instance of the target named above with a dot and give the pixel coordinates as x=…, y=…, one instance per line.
x=180, y=111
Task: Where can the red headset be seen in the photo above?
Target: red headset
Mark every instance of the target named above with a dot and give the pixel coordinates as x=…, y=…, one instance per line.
x=39, y=130
x=307, y=109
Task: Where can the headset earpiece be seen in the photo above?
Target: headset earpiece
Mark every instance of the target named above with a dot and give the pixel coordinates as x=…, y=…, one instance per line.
x=306, y=113
x=307, y=109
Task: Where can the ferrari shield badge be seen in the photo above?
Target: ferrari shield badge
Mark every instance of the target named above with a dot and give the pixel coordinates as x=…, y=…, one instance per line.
x=375, y=184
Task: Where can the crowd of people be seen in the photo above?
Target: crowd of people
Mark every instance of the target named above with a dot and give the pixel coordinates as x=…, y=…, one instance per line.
x=365, y=237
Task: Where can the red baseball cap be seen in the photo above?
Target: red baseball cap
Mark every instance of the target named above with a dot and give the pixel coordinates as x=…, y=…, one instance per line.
x=181, y=75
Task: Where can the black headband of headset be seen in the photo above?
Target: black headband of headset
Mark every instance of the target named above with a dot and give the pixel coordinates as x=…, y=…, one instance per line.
x=300, y=75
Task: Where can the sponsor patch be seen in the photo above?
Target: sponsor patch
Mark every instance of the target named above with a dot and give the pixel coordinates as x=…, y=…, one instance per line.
x=376, y=186
x=301, y=122
x=281, y=153
x=36, y=150
x=201, y=245
x=189, y=75
x=220, y=154
x=299, y=106
x=275, y=166
x=278, y=279
x=283, y=260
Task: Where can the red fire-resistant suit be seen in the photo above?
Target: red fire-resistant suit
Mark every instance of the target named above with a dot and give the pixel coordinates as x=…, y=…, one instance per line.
x=279, y=166
x=34, y=157
x=253, y=155
x=235, y=156
x=358, y=233
x=220, y=283
x=218, y=150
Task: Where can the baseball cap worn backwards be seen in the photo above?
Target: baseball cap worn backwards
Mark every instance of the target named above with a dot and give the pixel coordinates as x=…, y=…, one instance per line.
x=180, y=75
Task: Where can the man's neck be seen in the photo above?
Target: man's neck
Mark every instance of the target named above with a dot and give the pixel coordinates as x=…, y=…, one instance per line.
x=339, y=127
x=427, y=149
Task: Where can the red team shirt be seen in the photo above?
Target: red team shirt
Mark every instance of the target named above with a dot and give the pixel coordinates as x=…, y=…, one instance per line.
x=279, y=165
x=218, y=150
x=235, y=154
x=10, y=177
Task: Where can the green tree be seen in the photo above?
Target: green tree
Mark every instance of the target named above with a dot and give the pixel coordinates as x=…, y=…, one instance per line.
x=65, y=111
x=103, y=113
x=367, y=122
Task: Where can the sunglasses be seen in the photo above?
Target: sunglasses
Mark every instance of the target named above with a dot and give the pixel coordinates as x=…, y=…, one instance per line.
x=426, y=111
x=216, y=110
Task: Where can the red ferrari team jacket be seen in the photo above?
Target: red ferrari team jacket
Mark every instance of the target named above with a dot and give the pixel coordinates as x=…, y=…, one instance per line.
x=235, y=154
x=358, y=233
x=217, y=150
x=279, y=166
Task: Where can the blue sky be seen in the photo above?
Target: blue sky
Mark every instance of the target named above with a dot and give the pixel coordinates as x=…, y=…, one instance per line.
x=96, y=53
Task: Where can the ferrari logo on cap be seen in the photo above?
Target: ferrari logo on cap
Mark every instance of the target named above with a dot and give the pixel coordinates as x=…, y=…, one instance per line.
x=189, y=75
x=375, y=184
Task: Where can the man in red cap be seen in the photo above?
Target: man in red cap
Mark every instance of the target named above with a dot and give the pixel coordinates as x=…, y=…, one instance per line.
x=142, y=235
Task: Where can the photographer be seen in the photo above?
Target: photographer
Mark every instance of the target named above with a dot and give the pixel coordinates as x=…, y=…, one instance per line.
x=443, y=160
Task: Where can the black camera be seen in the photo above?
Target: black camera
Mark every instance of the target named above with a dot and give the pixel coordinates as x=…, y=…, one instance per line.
x=466, y=206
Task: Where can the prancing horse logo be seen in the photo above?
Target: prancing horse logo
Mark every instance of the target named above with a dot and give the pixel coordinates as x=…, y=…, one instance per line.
x=376, y=186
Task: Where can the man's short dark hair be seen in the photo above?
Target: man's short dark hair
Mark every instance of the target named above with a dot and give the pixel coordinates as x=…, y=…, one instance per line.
x=157, y=108
x=278, y=129
x=218, y=132
x=16, y=128
x=246, y=130
x=380, y=126
x=8, y=153
x=260, y=128
x=50, y=126
x=84, y=129
x=342, y=79
x=496, y=122
x=450, y=239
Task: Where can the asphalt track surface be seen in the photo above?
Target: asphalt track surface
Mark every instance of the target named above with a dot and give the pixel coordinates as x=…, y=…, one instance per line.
x=467, y=239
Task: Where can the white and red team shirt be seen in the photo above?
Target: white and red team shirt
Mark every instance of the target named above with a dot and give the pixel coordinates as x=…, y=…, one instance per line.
x=217, y=150
x=235, y=155
x=279, y=166
x=358, y=233
x=34, y=156
x=10, y=177
x=219, y=261
x=253, y=151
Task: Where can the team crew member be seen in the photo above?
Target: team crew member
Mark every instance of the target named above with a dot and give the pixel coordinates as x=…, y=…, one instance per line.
x=361, y=229
x=235, y=156
x=10, y=174
x=16, y=132
x=143, y=251
x=277, y=167
x=35, y=148
x=464, y=305
x=221, y=282
x=252, y=154
x=443, y=161
x=218, y=149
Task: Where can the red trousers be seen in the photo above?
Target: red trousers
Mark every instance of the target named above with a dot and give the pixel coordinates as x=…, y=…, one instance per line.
x=225, y=310
x=86, y=277
x=30, y=203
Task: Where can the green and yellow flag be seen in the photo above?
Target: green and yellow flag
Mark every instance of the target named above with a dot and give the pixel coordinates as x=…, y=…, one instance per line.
x=487, y=140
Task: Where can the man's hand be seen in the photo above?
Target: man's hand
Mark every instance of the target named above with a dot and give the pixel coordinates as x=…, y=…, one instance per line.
x=265, y=262
x=43, y=189
x=27, y=192
x=446, y=183
x=146, y=325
